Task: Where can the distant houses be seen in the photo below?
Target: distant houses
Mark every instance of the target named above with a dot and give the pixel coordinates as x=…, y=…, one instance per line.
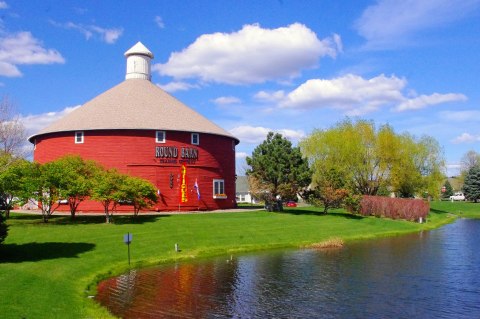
x=243, y=194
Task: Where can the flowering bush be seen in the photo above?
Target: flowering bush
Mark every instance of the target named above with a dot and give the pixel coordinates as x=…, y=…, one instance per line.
x=395, y=208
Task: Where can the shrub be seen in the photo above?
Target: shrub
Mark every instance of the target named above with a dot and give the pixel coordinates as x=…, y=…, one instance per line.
x=352, y=203
x=395, y=208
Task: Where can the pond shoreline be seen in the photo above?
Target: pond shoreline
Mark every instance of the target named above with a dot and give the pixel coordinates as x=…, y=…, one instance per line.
x=100, y=253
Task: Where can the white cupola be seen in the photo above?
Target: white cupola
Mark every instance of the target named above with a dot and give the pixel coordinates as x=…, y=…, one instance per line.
x=138, y=62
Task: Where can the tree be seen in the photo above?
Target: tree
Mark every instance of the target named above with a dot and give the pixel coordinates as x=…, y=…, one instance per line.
x=138, y=192
x=469, y=160
x=370, y=159
x=448, y=190
x=278, y=168
x=418, y=169
x=3, y=228
x=11, y=181
x=471, y=187
x=12, y=131
x=76, y=180
x=358, y=153
x=106, y=190
x=329, y=191
x=41, y=184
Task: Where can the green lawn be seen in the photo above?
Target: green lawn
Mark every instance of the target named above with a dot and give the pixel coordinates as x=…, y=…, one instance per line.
x=49, y=270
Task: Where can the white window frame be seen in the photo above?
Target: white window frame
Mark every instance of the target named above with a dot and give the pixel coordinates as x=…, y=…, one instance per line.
x=221, y=189
x=79, y=137
x=157, y=140
x=192, y=138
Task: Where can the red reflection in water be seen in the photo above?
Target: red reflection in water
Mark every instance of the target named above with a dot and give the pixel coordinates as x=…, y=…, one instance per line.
x=186, y=290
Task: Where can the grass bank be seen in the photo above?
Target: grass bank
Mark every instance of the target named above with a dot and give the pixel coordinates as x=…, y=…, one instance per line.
x=49, y=270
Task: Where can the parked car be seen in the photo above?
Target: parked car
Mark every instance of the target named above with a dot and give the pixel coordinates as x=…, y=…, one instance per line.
x=291, y=203
x=457, y=196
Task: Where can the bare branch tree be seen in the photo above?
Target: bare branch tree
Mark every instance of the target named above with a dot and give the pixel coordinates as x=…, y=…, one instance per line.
x=12, y=131
x=469, y=160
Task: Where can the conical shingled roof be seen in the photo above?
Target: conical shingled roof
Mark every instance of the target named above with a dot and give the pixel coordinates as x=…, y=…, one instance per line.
x=135, y=104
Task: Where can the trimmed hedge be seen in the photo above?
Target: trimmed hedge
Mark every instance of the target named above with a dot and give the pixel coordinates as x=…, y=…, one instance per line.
x=395, y=208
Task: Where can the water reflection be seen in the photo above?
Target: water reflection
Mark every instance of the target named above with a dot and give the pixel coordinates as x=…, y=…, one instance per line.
x=430, y=275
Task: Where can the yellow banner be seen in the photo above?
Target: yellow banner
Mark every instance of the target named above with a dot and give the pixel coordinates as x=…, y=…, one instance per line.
x=183, y=187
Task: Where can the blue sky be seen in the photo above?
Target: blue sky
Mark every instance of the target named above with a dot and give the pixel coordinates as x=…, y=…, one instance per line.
x=256, y=66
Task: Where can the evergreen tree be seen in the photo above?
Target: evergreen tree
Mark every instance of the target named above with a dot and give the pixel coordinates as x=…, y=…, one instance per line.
x=471, y=187
x=278, y=167
x=448, y=190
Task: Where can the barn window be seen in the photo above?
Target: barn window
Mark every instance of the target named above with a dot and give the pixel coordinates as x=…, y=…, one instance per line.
x=219, y=189
x=79, y=137
x=160, y=137
x=195, y=138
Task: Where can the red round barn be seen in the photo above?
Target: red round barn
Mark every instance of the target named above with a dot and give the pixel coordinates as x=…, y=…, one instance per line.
x=143, y=131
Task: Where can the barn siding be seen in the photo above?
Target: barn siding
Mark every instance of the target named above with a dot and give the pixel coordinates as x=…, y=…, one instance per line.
x=133, y=152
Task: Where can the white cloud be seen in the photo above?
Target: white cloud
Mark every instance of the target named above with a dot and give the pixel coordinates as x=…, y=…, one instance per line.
x=423, y=101
x=355, y=95
x=460, y=116
x=251, y=55
x=257, y=134
x=159, y=22
x=22, y=48
x=3, y=5
x=270, y=96
x=225, y=100
x=109, y=36
x=240, y=155
x=390, y=23
x=350, y=93
x=453, y=169
x=466, y=138
x=36, y=122
x=177, y=86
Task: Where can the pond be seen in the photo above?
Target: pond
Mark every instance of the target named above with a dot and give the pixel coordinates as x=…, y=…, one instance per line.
x=433, y=274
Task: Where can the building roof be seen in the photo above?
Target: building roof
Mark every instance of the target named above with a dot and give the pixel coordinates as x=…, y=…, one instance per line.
x=241, y=184
x=135, y=104
x=139, y=49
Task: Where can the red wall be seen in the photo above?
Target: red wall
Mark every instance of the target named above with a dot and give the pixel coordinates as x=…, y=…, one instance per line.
x=133, y=152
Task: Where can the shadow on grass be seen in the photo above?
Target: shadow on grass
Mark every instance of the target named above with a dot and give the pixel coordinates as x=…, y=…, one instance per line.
x=439, y=211
x=250, y=206
x=83, y=219
x=316, y=212
x=13, y=253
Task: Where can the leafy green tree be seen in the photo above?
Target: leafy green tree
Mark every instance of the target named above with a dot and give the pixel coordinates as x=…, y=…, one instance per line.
x=41, y=184
x=358, y=153
x=418, y=168
x=107, y=190
x=370, y=159
x=3, y=228
x=11, y=177
x=329, y=191
x=138, y=192
x=278, y=167
x=471, y=187
x=448, y=190
x=76, y=180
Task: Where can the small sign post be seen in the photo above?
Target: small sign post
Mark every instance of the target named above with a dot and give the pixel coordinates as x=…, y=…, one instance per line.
x=127, y=239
